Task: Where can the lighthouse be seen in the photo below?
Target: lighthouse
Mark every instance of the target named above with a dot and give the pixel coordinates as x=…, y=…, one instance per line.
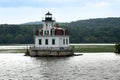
x=51, y=39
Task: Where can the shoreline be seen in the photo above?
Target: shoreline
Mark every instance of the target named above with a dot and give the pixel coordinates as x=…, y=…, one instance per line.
x=77, y=48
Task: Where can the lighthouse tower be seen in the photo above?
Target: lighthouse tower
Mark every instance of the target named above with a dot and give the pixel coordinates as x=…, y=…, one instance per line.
x=51, y=40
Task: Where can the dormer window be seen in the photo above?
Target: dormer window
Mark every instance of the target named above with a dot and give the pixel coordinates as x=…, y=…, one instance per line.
x=46, y=32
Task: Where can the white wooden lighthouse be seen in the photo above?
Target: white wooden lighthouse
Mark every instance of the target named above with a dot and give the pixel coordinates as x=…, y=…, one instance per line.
x=51, y=40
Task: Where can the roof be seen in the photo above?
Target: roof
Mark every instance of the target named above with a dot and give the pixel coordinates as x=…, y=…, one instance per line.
x=48, y=13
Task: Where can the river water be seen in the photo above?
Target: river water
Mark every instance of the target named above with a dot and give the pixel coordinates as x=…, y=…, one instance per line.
x=89, y=66
x=29, y=45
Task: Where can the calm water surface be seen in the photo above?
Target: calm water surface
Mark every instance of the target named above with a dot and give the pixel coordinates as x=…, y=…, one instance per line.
x=89, y=66
x=25, y=46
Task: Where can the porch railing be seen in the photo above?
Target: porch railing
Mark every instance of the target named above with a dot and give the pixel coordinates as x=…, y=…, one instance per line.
x=52, y=48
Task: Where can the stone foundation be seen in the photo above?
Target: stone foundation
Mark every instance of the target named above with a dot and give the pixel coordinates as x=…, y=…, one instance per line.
x=37, y=53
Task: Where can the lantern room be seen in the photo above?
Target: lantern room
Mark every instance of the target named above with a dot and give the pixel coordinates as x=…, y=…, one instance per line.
x=48, y=17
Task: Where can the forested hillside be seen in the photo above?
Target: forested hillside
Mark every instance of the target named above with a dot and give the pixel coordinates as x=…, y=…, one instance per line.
x=102, y=30
x=17, y=34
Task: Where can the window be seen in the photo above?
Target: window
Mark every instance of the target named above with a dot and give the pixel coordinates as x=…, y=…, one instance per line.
x=53, y=41
x=46, y=41
x=63, y=41
x=66, y=41
x=40, y=42
x=41, y=32
x=46, y=32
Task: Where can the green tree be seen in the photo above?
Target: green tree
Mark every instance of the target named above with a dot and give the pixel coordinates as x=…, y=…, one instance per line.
x=117, y=47
x=19, y=38
x=9, y=38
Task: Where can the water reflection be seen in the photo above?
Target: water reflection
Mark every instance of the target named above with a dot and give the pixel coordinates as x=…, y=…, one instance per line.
x=90, y=66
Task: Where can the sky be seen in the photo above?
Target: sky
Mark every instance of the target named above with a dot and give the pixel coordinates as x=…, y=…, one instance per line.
x=22, y=11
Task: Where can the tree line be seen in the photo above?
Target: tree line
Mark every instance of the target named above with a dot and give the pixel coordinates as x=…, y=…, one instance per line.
x=17, y=34
x=102, y=30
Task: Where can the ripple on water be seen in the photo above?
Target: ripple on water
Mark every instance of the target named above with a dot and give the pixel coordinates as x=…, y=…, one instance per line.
x=89, y=66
